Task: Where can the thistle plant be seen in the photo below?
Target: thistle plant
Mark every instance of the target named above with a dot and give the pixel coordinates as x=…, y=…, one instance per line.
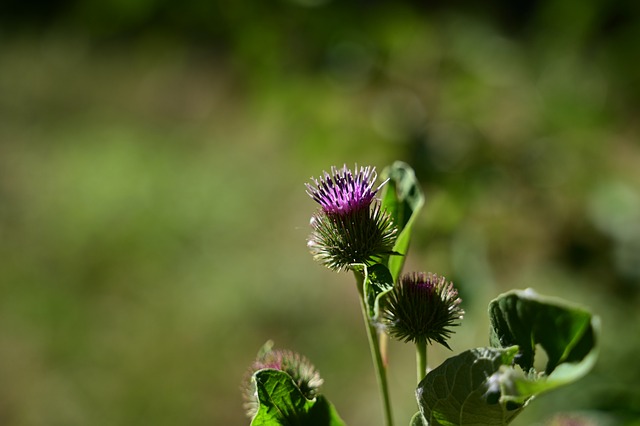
x=350, y=228
x=422, y=308
x=351, y=232
x=365, y=229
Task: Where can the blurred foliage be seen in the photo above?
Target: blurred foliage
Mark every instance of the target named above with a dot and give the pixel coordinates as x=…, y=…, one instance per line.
x=152, y=209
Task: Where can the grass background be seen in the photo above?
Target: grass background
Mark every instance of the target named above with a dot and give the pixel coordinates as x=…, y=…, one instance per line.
x=153, y=217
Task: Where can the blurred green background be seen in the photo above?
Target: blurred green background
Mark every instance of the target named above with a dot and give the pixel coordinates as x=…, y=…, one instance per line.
x=153, y=215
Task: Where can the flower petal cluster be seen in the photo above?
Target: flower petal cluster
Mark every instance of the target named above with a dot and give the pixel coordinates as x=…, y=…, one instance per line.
x=341, y=192
x=421, y=308
x=303, y=373
x=350, y=227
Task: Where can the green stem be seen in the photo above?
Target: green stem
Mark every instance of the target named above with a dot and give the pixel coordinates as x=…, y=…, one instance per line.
x=374, y=347
x=421, y=359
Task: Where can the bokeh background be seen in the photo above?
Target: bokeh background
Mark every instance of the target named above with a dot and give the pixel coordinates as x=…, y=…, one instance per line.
x=153, y=215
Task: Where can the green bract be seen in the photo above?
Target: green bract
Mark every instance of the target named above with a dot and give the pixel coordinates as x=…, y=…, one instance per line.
x=422, y=307
x=340, y=240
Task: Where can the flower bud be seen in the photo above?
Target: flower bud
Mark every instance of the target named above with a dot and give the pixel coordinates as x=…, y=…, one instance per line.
x=421, y=308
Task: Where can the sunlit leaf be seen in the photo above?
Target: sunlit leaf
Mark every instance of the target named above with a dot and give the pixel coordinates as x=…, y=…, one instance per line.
x=460, y=391
x=490, y=386
x=282, y=403
x=402, y=198
x=567, y=333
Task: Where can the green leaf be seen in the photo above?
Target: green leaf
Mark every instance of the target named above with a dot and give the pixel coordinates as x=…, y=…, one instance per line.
x=566, y=332
x=525, y=319
x=402, y=198
x=490, y=386
x=462, y=390
x=282, y=403
x=377, y=282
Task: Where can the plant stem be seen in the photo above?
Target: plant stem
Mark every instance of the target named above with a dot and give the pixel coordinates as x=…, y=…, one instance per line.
x=374, y=347
x=421, y=359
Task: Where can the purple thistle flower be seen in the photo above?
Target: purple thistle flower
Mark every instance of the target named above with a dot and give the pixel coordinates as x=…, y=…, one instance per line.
x=351, y=226
x=341, y=192
x=421, y=308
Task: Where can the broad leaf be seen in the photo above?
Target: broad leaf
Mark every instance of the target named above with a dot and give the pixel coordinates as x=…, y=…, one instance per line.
x=402, y=198
x=525, y=319
x=490, y=386
x=566, y=332
x=282, y=403
x=461, y=390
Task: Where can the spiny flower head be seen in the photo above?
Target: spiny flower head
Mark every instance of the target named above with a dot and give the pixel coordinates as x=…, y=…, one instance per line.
x=303, y=373
x=341, y=192
x=350, y=227
x=421, y=308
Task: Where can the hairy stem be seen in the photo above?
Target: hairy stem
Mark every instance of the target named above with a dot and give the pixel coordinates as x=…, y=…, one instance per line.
x=376, y=355
x=421, y=359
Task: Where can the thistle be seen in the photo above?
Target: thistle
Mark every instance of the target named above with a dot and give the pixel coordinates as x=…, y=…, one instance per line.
x=350, y=227
x=303, y=373
x=421, y=308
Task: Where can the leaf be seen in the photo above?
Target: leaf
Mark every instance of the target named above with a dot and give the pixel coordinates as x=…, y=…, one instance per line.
x=490, y=386
x=566, y=332
x=461, y=390
x=524, y=318
x=282, y=403
x=402, y=198
x=377, y=282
